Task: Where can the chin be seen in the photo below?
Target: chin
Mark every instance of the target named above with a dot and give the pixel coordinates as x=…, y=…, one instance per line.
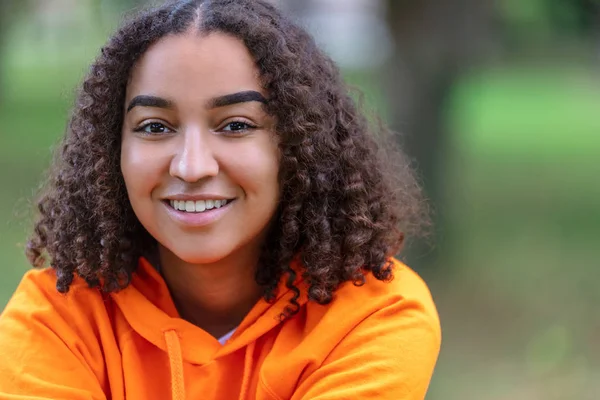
x=200, y=254
x=210, y=248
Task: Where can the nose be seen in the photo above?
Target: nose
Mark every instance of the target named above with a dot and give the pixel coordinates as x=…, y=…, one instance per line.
x=194, y=158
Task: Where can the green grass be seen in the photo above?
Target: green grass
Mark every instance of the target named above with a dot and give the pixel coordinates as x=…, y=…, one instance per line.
x=538, y=112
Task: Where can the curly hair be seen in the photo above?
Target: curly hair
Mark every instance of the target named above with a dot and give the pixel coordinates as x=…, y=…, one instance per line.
x=347, y=201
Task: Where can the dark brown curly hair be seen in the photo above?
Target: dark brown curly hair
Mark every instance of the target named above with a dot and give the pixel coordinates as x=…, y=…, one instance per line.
x=347, y=202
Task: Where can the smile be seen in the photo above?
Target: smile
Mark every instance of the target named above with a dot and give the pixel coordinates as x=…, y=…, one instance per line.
x=197, y=206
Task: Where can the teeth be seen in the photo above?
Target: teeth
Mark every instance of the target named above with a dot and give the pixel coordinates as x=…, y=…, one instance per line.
x=190, y=206
x=200, y=205
x=196, y=206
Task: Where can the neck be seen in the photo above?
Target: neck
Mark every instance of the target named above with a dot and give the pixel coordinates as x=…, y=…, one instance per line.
x=215, y=297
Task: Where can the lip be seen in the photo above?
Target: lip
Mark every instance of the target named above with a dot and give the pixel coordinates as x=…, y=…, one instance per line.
x=197, y=219
x=194, y=197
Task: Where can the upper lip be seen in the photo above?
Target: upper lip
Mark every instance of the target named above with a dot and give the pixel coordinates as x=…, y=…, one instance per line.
x=194, y=197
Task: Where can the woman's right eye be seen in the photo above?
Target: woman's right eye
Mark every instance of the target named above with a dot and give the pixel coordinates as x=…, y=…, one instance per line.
x=153, y=128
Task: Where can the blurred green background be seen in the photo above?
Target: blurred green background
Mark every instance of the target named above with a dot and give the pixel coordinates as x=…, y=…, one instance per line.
x=497, y=101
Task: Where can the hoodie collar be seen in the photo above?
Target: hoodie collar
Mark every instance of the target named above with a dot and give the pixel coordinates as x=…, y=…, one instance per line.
x=149, y=309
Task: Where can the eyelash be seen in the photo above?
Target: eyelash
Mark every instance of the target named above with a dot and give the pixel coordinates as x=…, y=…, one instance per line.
x=249, y=126
x=141, y=128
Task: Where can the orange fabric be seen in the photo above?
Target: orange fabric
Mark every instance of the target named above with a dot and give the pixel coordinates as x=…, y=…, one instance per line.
x=176, y=364
x=377, y=341
x=247, y=370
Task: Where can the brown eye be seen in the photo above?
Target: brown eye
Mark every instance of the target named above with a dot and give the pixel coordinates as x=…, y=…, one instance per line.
x=236, y=127
x=153, y=128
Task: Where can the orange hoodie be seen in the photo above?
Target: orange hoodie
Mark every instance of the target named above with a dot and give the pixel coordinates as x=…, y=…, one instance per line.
x=377, y=341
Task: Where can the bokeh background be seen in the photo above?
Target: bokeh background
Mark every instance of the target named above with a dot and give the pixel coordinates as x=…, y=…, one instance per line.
x=498, y=103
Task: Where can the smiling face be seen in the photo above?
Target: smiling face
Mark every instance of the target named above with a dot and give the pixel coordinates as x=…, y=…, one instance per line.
x=199, y=157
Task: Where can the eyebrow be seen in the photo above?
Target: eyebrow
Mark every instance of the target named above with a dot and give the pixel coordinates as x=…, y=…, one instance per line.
x=221, y=101
x=236, y=98
x=149, y=101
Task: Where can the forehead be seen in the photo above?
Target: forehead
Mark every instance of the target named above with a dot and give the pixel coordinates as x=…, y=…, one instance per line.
x=191, y=64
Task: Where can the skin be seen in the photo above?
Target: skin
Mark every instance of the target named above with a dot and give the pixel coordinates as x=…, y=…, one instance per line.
x=186, y=140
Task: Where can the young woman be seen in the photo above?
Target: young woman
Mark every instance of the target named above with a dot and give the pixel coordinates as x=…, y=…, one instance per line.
x=220, y=224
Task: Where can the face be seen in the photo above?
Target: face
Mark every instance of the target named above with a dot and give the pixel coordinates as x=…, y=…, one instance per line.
x=199, y=156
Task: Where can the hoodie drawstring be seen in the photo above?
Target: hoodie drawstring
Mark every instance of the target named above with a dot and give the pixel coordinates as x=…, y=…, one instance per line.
x=176, y=364
x=248, y=358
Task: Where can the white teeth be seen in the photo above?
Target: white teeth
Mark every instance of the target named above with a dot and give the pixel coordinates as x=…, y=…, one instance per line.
x=190, y=206
x=196, y=206
x=200, y=205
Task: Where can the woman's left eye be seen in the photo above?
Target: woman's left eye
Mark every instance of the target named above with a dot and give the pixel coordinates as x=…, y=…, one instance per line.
x=238, y=126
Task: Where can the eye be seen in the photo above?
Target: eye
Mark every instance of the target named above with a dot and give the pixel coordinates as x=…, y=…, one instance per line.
x=153, y=128
x=237, y=127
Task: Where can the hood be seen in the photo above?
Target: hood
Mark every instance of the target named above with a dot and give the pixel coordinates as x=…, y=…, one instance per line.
x=148, y=307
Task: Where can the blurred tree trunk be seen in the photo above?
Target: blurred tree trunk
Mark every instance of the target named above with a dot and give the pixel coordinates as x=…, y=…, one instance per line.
x=436, y=41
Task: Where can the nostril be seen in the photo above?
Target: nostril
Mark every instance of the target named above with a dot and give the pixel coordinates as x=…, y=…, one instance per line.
x=194, y=166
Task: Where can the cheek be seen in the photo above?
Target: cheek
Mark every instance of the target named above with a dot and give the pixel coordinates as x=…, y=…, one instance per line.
x=129, y=160
x=257, y=171
x=138, y=171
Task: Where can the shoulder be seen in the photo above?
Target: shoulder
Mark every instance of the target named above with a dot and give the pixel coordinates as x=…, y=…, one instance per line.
x=381, y=337
x=406, y=291
x=405, y=285
x=37, y=290
x=401, y=310
x=40, y=327
x=37, y=305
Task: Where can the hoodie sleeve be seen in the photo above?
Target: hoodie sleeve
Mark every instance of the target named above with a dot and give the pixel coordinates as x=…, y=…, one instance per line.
x=390, y=355
x=42, y=354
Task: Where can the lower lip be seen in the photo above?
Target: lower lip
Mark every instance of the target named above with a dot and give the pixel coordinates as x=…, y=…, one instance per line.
x=198, y=219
